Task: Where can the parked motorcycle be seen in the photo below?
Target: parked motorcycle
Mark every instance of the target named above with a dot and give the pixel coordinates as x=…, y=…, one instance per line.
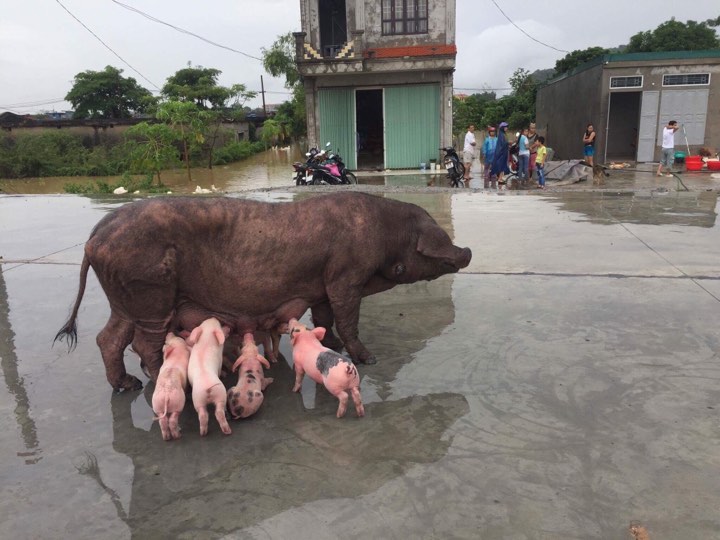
x=301, y=173
x=454, y=167
x=321, y=168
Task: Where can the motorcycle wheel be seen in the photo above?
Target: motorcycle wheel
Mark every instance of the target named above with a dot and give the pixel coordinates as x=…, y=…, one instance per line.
x=460, y=168
x=300, y=180
x=350, y=178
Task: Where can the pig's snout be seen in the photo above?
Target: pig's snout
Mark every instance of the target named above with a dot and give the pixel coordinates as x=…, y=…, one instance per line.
x=464, y=258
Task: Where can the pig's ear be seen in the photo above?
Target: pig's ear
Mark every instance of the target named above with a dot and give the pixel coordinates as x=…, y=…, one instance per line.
x=319, y=333
x=263, y=361
x=265, y=382
x=431, y=241
x=167, y=351
x=220, y=335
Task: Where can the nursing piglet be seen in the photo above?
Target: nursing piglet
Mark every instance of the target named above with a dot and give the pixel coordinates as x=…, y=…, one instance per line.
x=204, y=370
x=323, y=365
x=168, y=399
x=245, y=398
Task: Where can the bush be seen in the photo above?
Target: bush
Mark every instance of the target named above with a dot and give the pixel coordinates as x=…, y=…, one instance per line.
x=236, y=151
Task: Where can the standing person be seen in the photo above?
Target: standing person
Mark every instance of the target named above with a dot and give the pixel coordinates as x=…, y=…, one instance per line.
x=468, y=152
x=500, y=159
x=532, y=139
x=589, y=144
x=488, y=153
x=668, y=147
x=540, y=156
x=523, y=156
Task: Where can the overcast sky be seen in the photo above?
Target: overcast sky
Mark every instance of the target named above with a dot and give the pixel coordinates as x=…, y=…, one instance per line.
x=42, y=47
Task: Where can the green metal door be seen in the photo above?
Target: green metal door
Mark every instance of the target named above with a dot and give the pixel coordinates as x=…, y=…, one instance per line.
x=337, y=122
x=412, y=125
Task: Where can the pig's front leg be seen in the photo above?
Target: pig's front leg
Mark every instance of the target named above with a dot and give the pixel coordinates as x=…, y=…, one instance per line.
x=346, y=307
x=322, y=315
x=299, y=374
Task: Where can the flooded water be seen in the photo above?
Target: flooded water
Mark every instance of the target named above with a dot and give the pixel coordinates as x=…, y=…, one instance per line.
x=561, y=386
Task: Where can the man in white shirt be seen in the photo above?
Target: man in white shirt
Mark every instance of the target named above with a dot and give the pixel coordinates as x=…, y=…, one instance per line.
x=468, y=152
x=668, y=147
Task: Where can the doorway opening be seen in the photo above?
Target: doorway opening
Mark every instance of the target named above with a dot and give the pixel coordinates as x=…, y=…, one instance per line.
x=370, y=128
x=623, y=126
x=333, y=26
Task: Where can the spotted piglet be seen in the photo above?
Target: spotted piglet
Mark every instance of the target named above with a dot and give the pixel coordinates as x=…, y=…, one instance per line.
x=168, y=399
x=245, y=398
x=203, y=372
x=323, y=365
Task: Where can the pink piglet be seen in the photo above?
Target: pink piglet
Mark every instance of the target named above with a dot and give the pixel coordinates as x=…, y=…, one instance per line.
x=203, y=372
x=323, y=365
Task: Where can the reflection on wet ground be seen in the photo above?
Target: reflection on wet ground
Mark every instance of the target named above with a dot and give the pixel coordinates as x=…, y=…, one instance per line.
x=691, y=208
x=533, y=395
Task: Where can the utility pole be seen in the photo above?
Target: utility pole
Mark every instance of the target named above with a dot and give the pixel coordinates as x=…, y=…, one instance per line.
x=262, y=91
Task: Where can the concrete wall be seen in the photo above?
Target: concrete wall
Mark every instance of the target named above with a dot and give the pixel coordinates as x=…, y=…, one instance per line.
x=565, y=107
x=366, y=15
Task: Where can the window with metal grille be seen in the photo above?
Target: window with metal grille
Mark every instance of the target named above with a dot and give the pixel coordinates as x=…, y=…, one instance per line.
x=634, y=81
x=404, y=17
x=686, y=79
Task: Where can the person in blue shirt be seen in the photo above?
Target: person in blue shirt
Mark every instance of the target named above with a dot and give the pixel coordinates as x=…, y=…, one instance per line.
x=488, y=153
x=500, y=159
x=523, y=156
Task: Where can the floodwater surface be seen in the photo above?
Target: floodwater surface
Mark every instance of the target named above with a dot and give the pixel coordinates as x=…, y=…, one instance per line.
x=561, y=386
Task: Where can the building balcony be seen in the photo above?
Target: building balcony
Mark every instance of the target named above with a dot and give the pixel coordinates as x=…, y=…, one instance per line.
x=354, y=57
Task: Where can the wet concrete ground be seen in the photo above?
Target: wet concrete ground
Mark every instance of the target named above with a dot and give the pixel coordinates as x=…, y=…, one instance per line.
x=565, y=383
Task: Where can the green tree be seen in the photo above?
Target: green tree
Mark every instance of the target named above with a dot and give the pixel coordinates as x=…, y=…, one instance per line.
x=107, y=94
x=575, y=58
x=471, y=110
x=199, y=85
x=153, y=147
x=279, y=60
x=188, y=121
x=674, y=35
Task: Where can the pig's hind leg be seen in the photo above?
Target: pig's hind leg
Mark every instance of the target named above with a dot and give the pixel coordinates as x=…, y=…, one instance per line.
x=342, y=395
x=202, y=419
x=219, y=398
x=112, y=341
x=357, y=399
x=173, y=426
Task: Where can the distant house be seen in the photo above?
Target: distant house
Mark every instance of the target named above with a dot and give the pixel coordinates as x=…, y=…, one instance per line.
x=378, y=78
x=629, y=98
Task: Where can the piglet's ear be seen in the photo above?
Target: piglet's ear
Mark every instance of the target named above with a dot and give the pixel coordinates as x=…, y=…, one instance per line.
x=263, y=361
x=167, y=351
x=195, y=336
x=319, y=333
x=265, y=382
x=220, y=335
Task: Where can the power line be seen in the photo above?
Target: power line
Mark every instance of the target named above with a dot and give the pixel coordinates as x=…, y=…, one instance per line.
x=25, y=104
x=524, y=32
x=105, y=44
x=182, y=30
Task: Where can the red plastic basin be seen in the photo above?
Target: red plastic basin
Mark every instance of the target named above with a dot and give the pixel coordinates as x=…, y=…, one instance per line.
x=693, y=165
x=713, y=164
